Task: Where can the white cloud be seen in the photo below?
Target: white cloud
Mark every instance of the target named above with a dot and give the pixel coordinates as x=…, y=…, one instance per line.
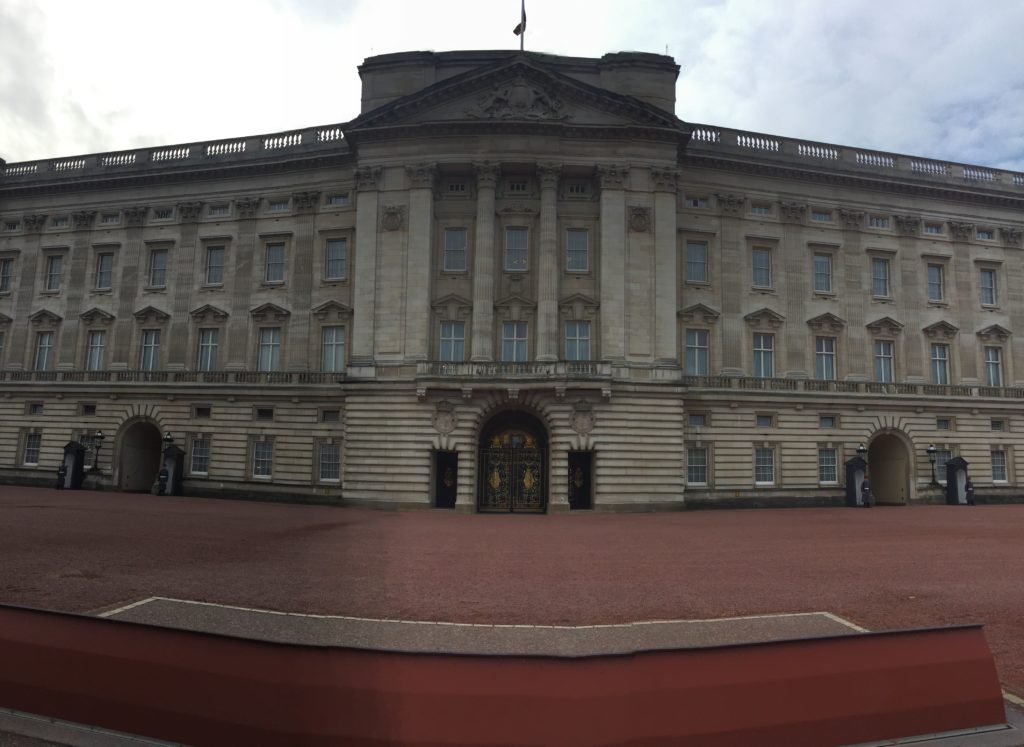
x=937, y=79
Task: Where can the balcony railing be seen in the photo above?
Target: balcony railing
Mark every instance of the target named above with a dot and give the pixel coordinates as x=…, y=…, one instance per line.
x=851, y=387
x=525, y=370
x=174, y=377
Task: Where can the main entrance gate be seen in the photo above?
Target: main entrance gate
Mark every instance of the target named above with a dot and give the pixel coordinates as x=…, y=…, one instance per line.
x=513, y=465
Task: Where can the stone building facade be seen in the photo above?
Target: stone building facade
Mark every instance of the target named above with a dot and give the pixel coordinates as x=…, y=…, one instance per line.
x=514, y=282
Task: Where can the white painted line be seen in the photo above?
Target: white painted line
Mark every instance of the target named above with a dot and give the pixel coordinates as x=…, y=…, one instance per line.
x=1017, y=701
x=846, y=622
x=110, y=613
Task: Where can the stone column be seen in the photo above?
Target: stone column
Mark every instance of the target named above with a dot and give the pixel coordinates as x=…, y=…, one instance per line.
x=855, y=294
x=418, y=254
x=304, y=251
x=75, y=288
x=130, y=267
x=25, y=293
x=960, y=285
x=186, y=264
x=483, y=262
x=238, y=327
x=910, y=365
x=549, y=267
x=666, y=302
x=613, y=260
x=365, y=278
x=731, y=335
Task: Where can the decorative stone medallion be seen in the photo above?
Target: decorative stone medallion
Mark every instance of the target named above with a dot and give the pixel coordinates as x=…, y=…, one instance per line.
x=582, y=418
x=639, y=219
x=393, y=218
x=445, y=419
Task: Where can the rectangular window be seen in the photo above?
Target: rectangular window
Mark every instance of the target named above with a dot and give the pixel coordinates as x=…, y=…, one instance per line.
x=33, y=444
x=330, y=416
x=214, y=265
x=577, y=341
x=218, y=210
x=988, y=287
x=35, y=408
x=828, y=474
x=577, y=253
x=986, y=234
x=517, y=187
x=821, y=216
x=163, y=213
x=993, y=366
x=274, y=265
x=109, y=219
x=698, y=419
x=941, y=457
x=330, y=462
x=696, y=262
x=880, y=278
x=202, y=411
x=936, y=284
x=453, y=342
x=878, y=221
x=337, y=200
x=933, y=228
x=943, y=424
x=200, y=464
x=269, y=349
x=940, y=363
x=6, y=274
x=264, y=413
x=823, y=273
x=2, y=341
x=54, y=270
x=513, y=342
x=157, y=268
x=44, y=351
x=760, y=210
x=104, y=271
x=762, y=267
x=277, y=206
x=764, y=356
x=765, y=421
x=696, y=201
x=764, y=466
x=454, y=250
x=263, y=459
x=95, y=347
x=333, y=349
x=577, y=189
x=336, y=259
x=149, y=358
x=457, y=188
x=999, y=473
x=516, y=249
x=825, y=358
x=697, y=352
x=11, y=225
x=826, y=421
x=209, y=341
x=998, y=424
x=60, y=221
x=88, y=410
x=697, y=465
x=883, y=361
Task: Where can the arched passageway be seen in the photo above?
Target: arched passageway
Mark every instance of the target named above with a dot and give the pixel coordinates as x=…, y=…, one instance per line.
x=889, y=469
x=139, y=457
x=513, y=463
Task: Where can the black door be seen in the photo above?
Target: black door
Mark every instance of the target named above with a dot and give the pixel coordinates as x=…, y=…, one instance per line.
x=581, y=468
x=446, y=478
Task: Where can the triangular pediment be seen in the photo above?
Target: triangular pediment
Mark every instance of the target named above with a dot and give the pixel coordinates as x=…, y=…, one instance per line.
x=941, y=331
x=698, y=312
x=269, y=312
x=333, y=311
x=515, y=308
x=208, y=313
x=827, y=322
x=578, y=306
x=885, y=326
x=994, y=333
x=150, y=314
x=764, y=319
x=45, y=316
x=520, y=88
x=96, y=316
x=452, y=307
x=4, y=319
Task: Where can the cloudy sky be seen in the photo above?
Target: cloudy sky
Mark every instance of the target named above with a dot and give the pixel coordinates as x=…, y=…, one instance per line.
x=939, y=78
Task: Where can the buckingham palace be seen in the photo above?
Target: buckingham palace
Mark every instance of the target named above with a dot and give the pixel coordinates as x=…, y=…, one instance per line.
x=516, y=282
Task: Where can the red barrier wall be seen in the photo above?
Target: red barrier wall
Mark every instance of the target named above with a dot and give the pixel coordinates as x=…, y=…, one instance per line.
x=207, y=689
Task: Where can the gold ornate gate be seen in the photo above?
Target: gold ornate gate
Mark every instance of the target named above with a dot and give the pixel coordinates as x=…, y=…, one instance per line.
x=512, y=473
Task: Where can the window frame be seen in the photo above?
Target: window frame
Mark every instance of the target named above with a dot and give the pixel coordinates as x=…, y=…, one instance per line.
x=95, y=355
x=271, y=348
x=701, y=353
x=570, y=251
x=340, y=243
x=207, y=351
x=706, y=466
x=6, y=275
x=212, y=251
x=334, y=444
x=98, y=275
x=520, y=344
x=46, y=351
x=149, y=349
x=764, y=269
x=1005, y=467
x=760, y=464
x=262, y=454
x=994, y=373
x=449, y=252
x=333, y=351
x=156, y=276
x=940, y=364
x=53, y=279
x=825, y=358
x=988, y=294
x=693, y=263
x=450, y=344
x=828, y=275
x=270, y=247
x=194, y=440
x=881, y=283
x=508, y=258
x=763, y=355
x=878, y=358
x=574, y=340
x=936, y=286
x=822, y=452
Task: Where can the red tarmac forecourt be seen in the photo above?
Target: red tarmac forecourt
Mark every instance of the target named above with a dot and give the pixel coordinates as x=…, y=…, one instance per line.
x=883, y=568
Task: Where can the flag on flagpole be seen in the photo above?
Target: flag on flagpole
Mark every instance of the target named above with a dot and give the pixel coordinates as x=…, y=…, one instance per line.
x=521, y=28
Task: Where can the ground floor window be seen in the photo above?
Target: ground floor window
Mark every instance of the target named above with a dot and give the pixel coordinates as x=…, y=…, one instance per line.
x=999, y=473
x=33, y=444
x=941, y=457
x=200, y=458
x=827, y=473
x=329, y=458
x=263, y=458
x=764, y=466
x=697, y=465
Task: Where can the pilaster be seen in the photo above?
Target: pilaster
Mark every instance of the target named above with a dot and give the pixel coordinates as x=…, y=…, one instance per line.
x=238, y=327
x=483, y=262
x=421, y=231
x=855, y=357
x=19, y=340
x=130, y=265
x=365, y=275
x=548, y=264
x=186, y=264
x=301, y=348
x=613, y=260
x=75, y=287
x=666, y=352
x=735, y=283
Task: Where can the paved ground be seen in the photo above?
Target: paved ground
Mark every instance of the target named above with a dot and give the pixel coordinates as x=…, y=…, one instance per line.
x=880, y=568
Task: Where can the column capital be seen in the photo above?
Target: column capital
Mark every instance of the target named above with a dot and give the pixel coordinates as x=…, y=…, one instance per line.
x=83, y=218
x=368, y=177
x=665, y=180
x=247, y=206
x=730, y=204
x=909, y=225
x=487, y=173
x=612, y=175
x=421, y=175
x=961, y=231
x=34, y=222
x=852, y=219
x=306, y=202
x=135, y=215
x=548, y=173
x=188, y=212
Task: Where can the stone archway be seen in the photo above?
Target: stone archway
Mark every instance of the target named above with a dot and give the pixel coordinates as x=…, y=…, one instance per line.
x=138, y=458
x=512, y=464
x=889, y=468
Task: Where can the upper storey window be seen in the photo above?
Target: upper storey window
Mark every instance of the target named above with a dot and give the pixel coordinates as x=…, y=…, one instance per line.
x=336, y=259
x=277, y=206
x=273, y=269
x=933, y=228
x=576, y=250
x=338, y=200
x=696, y=262
x=54, y=272
x=761, y=258
x=6, y=274
x=457, y=188
x=454, y=250
x=986, y=234
x=516, y=249
x=880, y=278
x=878, y=221
x=163, y=213
x=577, y=189
x=696, y=201
x=61, y=221
x=821, y=216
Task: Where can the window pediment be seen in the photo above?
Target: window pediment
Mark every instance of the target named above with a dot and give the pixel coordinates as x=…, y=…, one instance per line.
x=96, y=316
x=515, y=308
x=4, y=319
x=269, y=311
x=207, y=313
x=941, y=331
x=886, y=325
x=151, y=314
x=994, y=333
x=452, y=307
x=45, y=317
x=578, y=306
x=698, y=312
x=764, y=319
x=827, y=323
x=333, y=311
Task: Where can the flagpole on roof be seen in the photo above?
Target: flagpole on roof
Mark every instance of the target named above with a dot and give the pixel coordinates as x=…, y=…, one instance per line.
x=520, y=30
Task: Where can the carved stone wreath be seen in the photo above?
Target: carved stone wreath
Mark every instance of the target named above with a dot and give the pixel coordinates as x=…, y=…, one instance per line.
x=445, y=420
x=393, y=218
x=639, y=219
x=582, y=418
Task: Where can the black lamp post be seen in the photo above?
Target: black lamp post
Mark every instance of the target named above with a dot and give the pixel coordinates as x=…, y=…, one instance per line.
x=862, y=452
x=931, y=458
x=168, y=439
x=97, y=444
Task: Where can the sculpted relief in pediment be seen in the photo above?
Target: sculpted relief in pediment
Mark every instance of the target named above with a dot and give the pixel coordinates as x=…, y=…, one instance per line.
x=518, y=99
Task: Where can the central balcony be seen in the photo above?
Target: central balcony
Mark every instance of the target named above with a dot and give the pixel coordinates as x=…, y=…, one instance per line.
x=524, y=370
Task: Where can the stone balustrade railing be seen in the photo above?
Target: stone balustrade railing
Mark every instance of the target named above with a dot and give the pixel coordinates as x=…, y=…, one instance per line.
x=253, y=148
x=711, y=139
x=851, y=387
x=173, y=377
x=529, y=369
